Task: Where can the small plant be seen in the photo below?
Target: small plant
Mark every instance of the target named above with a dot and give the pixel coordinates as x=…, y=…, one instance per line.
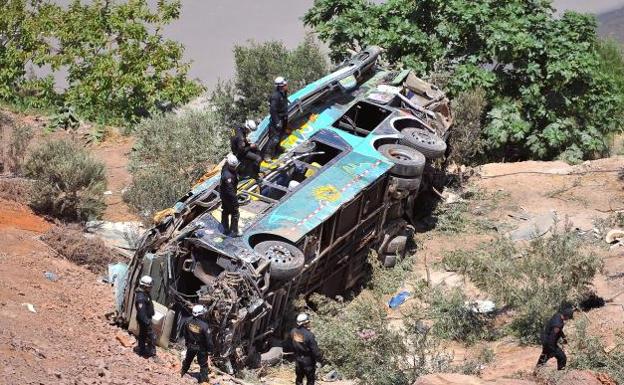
x=71, y=243
x=534, y=281
x=20, y=138
x=66, y=118
x=466, y=142
x=69, y=183
x=454, y=320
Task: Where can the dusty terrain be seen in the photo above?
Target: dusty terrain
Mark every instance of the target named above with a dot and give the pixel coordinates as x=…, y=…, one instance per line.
x=69, y=340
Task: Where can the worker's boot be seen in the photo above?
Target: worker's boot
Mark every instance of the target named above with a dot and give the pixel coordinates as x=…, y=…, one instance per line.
x=234, y=225
x=225, y=223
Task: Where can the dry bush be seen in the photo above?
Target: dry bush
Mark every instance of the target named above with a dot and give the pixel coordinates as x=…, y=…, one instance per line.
x=69, y=183
x=71, y=244
x=466, y=142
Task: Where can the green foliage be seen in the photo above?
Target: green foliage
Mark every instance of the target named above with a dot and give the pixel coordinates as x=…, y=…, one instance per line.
x=552, y=87
x=454, y=320
x=358, y=340
x=535, y=281
x=120, y=67
x=69, y=183
x=257, y=65
x=170, y=154
x=466, y=138
x=589, y=352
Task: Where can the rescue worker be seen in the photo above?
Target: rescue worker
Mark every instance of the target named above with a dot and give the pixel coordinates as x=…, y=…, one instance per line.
x=246, y=152
x=229, y=199
x=198, y=343
x=306, y=350
x=278, y=123
x=144, y=314
x=550, y=339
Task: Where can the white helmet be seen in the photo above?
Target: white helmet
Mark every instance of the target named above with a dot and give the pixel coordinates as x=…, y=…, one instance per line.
x=232, y=160
x=146, y=281
x=198, y=310
x=302, y=319
x=292, y=184
x=250, y=125
x=280, y=81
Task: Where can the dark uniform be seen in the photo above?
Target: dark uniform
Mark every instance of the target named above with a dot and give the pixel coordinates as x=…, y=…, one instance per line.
x=278, y=109
x=243, y=150
x=144, y=314
x=229, y=201
x=307, y=354
x=198, y=344
x=550, y=338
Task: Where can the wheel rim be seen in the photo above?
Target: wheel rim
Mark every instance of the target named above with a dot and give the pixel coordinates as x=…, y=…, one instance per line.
x=423, y=136
x=279, y=254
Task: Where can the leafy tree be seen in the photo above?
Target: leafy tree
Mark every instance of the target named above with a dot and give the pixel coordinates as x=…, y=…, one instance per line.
x=24, y=25
x=257, y=65
x=548, y=91
x=120, y=66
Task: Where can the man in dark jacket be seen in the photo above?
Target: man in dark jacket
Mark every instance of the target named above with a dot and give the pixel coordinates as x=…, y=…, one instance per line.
x=550, y=339
x=246, y=152
x=306, y=350
x=144, y=314
x=278, y=109
x=229, y=200
x=198, y=343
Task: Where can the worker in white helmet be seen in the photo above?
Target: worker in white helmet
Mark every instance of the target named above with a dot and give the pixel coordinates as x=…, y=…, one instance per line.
x=144, y=314
x=246, y=152
x=198, y=340
x=307, y=352
x=229, y=199
x=278, y=109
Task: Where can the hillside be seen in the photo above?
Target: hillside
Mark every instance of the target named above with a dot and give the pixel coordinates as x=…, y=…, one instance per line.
x=611, y=24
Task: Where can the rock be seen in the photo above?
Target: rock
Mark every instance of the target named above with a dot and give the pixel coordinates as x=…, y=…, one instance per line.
x=534, y=228
x=580, y=377
x=124, y=339
x=460, y=379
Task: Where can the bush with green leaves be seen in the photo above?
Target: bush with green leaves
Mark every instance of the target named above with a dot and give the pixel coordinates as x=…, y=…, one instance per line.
x=589, y=352
x=170, y=154
x=69, y=183
x=553, y=89
x=466, y=142
x=257, y=66
x=532, y=281
x=358, y=340
x=120, y=67
x=453, y=318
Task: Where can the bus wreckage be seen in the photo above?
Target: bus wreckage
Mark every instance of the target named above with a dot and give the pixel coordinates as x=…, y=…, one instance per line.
x=361, y=139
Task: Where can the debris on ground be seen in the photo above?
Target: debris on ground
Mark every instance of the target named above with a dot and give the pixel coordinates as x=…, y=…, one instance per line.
x=481, y=306
x=535, y=227
x=51, y=276
x=615, y=236
x=121, y=236
x=30, y=307
x=332, y=376
x=398, y=299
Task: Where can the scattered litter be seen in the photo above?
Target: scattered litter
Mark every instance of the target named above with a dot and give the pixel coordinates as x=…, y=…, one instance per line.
x=124, y=339
x=481, y=306
x=108, y=192
x=367, y=334
x=30, y=306
x=117, y=277
x=398, y=299
x=615, y=235
x=534, y=228
x=451, y=197
x=332, y=376
x=51, y=276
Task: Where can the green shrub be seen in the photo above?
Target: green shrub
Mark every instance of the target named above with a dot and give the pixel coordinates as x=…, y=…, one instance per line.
x=69, y=183
x=453, y=319
x=257, y=65
x=534, y=281
x=466, y=140
x=589, y=352
x=358, y=340
x=170, y=154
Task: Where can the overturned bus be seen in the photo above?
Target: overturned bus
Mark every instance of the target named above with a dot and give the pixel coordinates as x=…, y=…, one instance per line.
x=361, y=139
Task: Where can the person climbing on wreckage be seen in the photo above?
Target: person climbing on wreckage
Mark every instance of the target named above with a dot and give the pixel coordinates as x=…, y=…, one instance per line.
x=229, y=200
